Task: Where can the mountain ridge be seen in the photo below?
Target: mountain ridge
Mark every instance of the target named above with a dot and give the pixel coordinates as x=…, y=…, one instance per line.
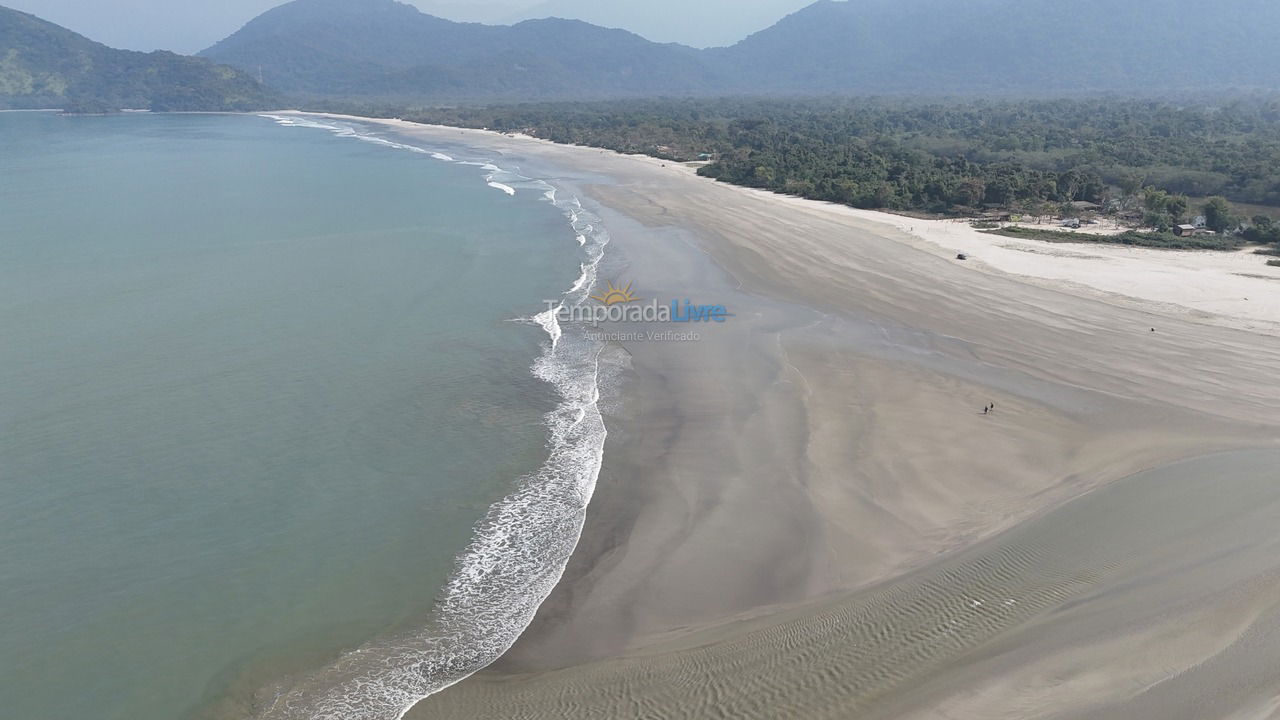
x=321, y=47
x=384, y=50
x=343, y=48
x=43, y=65
x=1025, y=46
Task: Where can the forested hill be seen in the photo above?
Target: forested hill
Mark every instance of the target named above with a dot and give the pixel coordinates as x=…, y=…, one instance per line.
x=386, y=49
x=43, y=65
x=1014, y=46
x=382, y=48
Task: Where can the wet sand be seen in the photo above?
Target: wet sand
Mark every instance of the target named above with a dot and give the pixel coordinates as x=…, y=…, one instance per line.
x=798, y=510
x=1156, y=597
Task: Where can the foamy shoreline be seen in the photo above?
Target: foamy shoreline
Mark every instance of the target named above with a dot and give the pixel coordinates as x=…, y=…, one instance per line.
x=832, y=440
x=520, y=547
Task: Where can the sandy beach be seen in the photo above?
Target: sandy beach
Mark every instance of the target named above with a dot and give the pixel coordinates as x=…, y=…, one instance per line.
x=806, y=512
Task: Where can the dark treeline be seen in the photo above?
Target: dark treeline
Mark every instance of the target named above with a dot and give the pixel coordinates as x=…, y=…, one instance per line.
x=1030, y=156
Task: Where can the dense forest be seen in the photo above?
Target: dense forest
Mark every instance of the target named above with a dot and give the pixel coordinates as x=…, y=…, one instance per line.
x=43, y=65
x=1153, y=161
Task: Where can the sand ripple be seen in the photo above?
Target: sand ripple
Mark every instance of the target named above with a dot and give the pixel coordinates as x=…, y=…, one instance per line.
x=843, y=657
x=823, y=664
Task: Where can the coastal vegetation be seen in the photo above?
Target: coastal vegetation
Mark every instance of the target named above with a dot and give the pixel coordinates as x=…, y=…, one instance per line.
x=43, y=65
x=1164, y=240
x=1155, y=165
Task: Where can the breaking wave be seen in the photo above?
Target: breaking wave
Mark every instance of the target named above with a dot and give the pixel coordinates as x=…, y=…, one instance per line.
x=518, y=551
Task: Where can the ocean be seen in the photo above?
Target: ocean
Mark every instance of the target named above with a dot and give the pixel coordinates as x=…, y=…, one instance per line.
x=286, y=429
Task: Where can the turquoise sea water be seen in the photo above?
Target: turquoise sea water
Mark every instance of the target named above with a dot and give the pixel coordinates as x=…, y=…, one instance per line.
x=262, y=400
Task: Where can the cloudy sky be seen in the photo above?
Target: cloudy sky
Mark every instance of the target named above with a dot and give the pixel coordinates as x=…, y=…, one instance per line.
x=191, y=25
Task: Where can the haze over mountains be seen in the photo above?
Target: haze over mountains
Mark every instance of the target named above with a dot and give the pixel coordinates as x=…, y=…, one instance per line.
x=43, y=65
x=1022, y=46
x=187, y=26
x=697, y=23
x=380, y=48
x=383, y=50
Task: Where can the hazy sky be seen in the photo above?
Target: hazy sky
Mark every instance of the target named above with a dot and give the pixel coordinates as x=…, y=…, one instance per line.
x=191, y=25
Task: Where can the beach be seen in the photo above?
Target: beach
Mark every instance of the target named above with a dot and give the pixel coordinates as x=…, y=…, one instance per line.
x=797, y=512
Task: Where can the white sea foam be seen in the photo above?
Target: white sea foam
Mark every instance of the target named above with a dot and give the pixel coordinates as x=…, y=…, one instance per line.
x=504, y=188
x=520, y=548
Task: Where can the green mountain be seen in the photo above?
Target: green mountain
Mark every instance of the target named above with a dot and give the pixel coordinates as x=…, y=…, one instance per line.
x=1014, y=46
x=382, y=48
x=387, y=50
x=43, y=65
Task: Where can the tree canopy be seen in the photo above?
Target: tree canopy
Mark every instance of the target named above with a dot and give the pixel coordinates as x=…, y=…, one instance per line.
x=933, y=156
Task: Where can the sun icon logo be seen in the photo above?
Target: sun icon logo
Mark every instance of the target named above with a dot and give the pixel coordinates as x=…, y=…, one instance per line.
x=615, y=295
